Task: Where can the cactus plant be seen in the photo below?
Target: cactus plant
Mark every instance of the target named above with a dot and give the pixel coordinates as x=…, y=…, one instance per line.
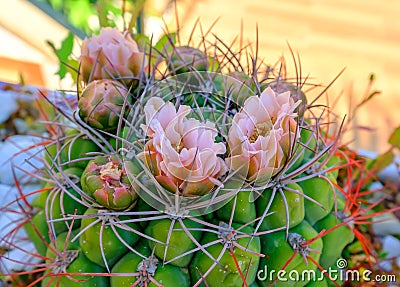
x=198, y=178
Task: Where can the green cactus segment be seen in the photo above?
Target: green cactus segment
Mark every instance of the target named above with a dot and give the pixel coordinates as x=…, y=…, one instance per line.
x=175, y=240
x=70, y=259
x=38, y=232
x=318, y=282
x=101, y=104
x=106, y=181
x=296, y=158
x=254, y=284
x=334, y=241
x=245, y=209
x=63, y=203
x=304, y=150
x=333, y=162
x=69, y=203
x=75, y=149
x=98, y=232
x=309, y=143
x=279, y=250
x=277, y=219
x=186, y=59
x=227, y=273
x=70, y=153
x=238, y=86
x=166, y=275
x=322, y=191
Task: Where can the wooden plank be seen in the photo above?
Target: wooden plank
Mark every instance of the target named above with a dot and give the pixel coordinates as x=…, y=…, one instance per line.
x=11, y=70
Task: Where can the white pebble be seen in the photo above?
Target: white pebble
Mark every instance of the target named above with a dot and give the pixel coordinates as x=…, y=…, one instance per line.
x=12, y=158
x=386, y=224
x=9, y=194
x=390, y=246
x=20, y=257
x=8, y=105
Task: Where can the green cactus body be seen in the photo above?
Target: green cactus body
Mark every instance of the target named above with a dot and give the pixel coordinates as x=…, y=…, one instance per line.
x=194, y=182
x=298, y=157
x=166, y=275
x=185, y=59
x=179, y=242
x=38, y=231
x=322, y=192
x=307, y=137
x=278, y=251
x=335, y=241
x=226, y=273
x=245, y=210
x=333, y=162
x=75, y=263
x=71, y=151
x=75, y=149
x=278, y=217
x=61, y=203
x=62, y=206
x=113, y=248
x=318, y=283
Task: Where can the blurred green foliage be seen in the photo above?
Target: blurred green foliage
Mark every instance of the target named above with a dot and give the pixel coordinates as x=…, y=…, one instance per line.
x=90, y=15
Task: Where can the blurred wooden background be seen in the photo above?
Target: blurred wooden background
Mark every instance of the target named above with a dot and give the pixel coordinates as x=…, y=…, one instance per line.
x=363, y=36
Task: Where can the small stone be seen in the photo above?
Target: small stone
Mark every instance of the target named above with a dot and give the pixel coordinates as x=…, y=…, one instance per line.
x=23, y=254
x=8, y=105
x=386, y=224
x=390, y=246
x=12, y=157
x=8, y=194
x=10, y=225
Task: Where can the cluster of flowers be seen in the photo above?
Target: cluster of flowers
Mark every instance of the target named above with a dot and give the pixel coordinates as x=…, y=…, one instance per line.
x=184, y=167
x=181, y=150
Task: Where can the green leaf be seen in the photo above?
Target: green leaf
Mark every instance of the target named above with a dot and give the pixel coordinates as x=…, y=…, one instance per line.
x=102, y=13
x=166, y=42
x=143, y=42
x=21, y=80
x=79, y=12
x=394, y=139
x=73, y=67
x=382, y=161
x=63, y=53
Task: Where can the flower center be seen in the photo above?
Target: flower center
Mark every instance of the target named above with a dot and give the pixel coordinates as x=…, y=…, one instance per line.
x=110, y=171
x=179, y=146
x=261, y=129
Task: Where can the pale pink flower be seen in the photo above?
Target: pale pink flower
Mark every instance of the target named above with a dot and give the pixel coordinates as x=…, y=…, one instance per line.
x=181, y=152
x=110, y=55
x=261, y=135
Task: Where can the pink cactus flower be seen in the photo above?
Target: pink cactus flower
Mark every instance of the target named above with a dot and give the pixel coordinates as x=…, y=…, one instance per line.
x=111, y=55
x=182, y=152
x=261, y=135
